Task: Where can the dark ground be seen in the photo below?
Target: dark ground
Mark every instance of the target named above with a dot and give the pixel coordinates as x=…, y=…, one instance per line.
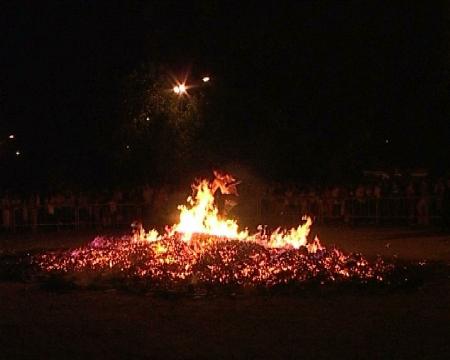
x=409, y=322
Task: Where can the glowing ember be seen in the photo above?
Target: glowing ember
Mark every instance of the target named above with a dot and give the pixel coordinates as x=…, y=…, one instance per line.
x=207, y=248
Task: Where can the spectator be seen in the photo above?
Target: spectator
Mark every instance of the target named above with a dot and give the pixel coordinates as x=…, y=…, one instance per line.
x=446, y=207
x=34, y=203
x=6, y=211
x=360, y=193
x=327, y=203
x=377, y=193
x=423, y=204
x=438, y=192
x=410, y=194
x=395, y=200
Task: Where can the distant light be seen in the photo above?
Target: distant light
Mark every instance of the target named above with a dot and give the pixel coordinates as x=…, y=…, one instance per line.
x=206, y=79
x=17, y=153
x=148, y=119
x=179, y=89
x=387, y=141
x=12, y=136
x=128, y=147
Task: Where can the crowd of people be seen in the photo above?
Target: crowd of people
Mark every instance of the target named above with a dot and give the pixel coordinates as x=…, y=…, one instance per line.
x=415, y=201
x=105, y=208
x=421, y=201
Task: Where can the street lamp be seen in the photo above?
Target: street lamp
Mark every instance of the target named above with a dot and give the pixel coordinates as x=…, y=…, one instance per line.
x=179, y=89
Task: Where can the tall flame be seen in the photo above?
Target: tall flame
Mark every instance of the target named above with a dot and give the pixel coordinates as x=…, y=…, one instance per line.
x=201, y=217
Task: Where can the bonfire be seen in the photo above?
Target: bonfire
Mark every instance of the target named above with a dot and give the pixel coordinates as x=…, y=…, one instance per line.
x=206, y=248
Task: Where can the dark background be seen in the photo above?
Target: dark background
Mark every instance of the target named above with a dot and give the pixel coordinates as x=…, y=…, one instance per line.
x=311, y=90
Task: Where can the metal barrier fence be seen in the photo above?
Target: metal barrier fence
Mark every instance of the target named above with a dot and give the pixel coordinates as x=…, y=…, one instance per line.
x=68, y=216
x=387, y=210
x=369, y=210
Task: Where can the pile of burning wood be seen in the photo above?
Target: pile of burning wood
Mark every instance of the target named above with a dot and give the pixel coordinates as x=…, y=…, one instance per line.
x=206, y=248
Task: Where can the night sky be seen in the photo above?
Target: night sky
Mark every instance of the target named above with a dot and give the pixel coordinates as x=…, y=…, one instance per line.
x=303, y=89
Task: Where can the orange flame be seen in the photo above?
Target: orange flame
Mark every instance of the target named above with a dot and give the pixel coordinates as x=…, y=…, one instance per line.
x=291, y=238
x=201, y=216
